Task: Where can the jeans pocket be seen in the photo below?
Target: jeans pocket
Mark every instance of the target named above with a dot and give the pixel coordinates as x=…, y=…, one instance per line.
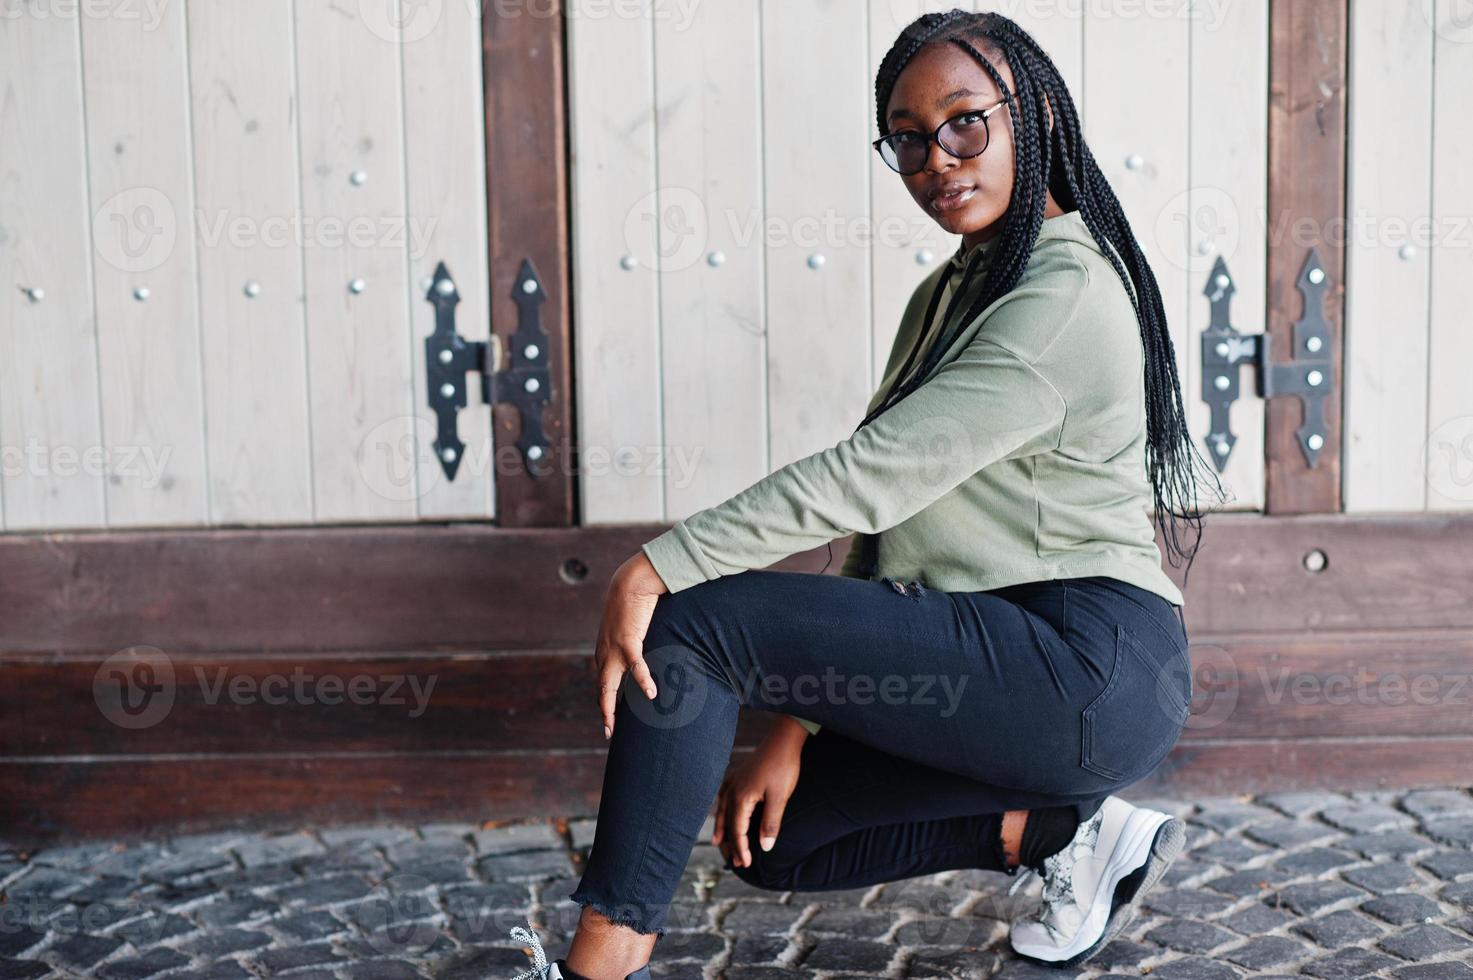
x=1131, y=724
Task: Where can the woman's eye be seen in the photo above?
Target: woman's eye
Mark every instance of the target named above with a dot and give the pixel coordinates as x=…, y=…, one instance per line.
x=968, y=120
x=900, y=139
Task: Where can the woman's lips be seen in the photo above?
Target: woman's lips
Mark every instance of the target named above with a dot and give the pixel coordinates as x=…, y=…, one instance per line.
x=953, y=200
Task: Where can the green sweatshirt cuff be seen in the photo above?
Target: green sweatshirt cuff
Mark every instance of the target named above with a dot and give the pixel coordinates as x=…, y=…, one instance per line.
x=678, y=559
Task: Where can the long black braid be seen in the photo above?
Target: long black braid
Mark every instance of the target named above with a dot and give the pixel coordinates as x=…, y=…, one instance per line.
x=1069, y=171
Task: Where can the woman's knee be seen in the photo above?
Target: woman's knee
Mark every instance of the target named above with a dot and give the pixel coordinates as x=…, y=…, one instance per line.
x=773, y=870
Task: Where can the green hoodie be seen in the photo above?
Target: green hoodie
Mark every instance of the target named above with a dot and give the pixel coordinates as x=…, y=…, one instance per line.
x=1020, y=459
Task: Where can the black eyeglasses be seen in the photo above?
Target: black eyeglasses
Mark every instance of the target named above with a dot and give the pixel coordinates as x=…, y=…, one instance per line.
x=966, y=136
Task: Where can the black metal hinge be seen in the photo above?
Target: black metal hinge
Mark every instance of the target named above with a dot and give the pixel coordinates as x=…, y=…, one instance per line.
x=1307, y=374
x=525, y=383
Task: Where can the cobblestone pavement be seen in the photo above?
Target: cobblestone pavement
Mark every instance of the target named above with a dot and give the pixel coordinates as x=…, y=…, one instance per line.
x=1303, y=884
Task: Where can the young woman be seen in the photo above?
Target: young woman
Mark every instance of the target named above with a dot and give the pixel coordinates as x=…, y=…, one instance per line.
x=1003, y=650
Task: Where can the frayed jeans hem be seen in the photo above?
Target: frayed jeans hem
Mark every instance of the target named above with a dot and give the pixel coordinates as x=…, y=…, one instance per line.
x=623, y=915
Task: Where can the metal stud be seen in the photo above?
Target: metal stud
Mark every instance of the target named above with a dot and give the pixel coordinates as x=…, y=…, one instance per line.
x=1316, y=276
x=628, y=262
x=1313, y=344
x=716, y=259
x=1314, y=378
x=448, y=454
x=358, y=178
x=445, y=287
x=252, y=289
x=534, y=452
x=1223, y=282
x=1407, y=252
x=1204, y=246
x=529, y=286
x=1220, y=348
x=35, y=294
x=532, y=384
x=1316, y=441
x=925, y=257
x=447, y=390
x=531, y=351
x=141, y=293
x=816, y=260
x=446, y=356
x=1135, y=162
x=357, y=286
x=1221, y=382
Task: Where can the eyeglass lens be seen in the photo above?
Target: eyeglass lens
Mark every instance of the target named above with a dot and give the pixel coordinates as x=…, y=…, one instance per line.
x=965, y=136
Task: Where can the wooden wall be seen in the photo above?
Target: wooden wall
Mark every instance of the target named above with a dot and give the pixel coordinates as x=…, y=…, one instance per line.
x=1408, y=404
x=186, y=192
x=739, y=351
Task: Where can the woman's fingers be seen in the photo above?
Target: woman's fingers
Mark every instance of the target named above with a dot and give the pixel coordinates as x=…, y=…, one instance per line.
x=609, y=676
x=743, y=817
x=720, y=815
x=772, y=820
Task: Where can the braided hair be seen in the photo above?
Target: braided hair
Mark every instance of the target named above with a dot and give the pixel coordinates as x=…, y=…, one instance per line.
x=1067, y=170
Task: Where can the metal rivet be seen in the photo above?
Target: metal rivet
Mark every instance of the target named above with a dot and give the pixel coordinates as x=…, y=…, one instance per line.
x=35, y=294
x=1135, y=161
x=1221, y=446
x=532, y=384
x=531, y=351
x=1407, y=252
x=529, y=286
x=1313, y=343
x=141, y=293
x=358, y=178
x=628, y=262
x=1204, y=246
x=426, y=283
x=357, y=286
x=1223, y=281
x=446, y=356
x=448, y=454
x=1220, y=348
x=1314, y=378
x=1316, y=276
x=1221, y=382
x=445, y=287
x=816, y=260
x=925, y=257
x=1315, y=441
x=534, y=453
x=715, y=259
x=1316, y=560
x=447, y=390
x=253, y=289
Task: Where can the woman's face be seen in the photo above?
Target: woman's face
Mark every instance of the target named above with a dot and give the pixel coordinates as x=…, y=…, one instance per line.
x=939, y=82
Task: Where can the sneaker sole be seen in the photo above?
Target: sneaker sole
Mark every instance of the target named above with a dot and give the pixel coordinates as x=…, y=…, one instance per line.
x=1166, y=844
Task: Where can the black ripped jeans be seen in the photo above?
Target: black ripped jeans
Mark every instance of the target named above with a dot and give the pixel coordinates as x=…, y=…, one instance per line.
x=940, y=710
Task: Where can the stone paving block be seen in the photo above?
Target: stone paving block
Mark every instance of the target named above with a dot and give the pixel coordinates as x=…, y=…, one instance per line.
x=1364, y=818
x=21, y=969
x=511, y=838
x=223, y=970
x=680, y=945
x=525, y=866
x=959, y=932
x=1266, y=951
x=1423, y=942
x=859, y=923
x=756, y=950
x=850, y=956
x=1257, y=919
x=1185, y=901
x=1449, y=865
x=81, y=951
x=1389, y=844
x=957, y=964
x=1253, y=881
x=762, y=917
x=295, y=957
x=1345, y=964
x=1339, y=929
x=1401, y=908
x=1302, y=804
x=1447, y=970
x=1225, y=850
x=1383, y=878
x=220, y=943
x=1457, y=831
x=1292, y=833
x=1195, y=968
x=1315, y=861
x=276, y=849
x=1433, y=804
x=1224, y=817
x=1190, y=935
x=1310, y=897
x=1459, y=892
x=153, y=963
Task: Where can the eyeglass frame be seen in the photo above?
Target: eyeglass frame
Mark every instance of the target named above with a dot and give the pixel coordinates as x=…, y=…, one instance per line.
x=935, y=137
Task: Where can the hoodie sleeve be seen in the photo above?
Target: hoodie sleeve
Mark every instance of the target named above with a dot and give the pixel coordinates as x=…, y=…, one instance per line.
x=985, y=405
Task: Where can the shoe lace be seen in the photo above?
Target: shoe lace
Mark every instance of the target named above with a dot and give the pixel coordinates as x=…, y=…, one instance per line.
x=1056, y=871
x=539, y=958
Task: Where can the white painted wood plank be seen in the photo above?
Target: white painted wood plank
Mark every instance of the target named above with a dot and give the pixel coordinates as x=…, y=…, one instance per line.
x=1449, y=444
x=136, y=83
x=713, y=348
x=1386, y=313
x=616, y=309
x=360, y=367
x=49, y=428
x=818, y=318
x=1227, y=202
x=1136, y=123
x=445, y=149
x=250, y=264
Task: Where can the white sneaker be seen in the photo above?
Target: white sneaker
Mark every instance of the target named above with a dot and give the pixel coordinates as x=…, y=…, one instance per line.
x=541, y=969
x=1093, y=885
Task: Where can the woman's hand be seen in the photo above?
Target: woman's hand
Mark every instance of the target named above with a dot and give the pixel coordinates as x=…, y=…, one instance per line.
x=769, y=775
x=629, y=605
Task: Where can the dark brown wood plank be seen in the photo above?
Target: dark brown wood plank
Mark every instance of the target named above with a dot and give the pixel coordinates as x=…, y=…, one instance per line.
x=1306, y=208
x=126, y=798
x=482, y=588
x=527, y=218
